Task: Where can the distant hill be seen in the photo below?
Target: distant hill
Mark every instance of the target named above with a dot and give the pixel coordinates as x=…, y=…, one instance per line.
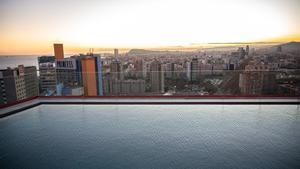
x=142, y=52
x=291, y=46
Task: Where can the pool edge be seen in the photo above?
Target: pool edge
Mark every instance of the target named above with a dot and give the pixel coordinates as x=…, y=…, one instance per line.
x=27, y=104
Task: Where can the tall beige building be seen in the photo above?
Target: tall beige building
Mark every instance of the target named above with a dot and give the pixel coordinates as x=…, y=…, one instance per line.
x=116, y=53
x=257, y=79
x=31, y=81
x=139, y=68
x=156, y=77
x=18, y=83
x=195, y=70
x=116, y=70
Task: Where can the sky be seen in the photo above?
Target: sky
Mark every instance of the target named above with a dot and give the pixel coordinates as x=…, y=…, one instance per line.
x=32, y=26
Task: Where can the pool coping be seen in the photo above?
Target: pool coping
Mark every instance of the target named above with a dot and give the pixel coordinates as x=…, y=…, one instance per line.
x=140, y=100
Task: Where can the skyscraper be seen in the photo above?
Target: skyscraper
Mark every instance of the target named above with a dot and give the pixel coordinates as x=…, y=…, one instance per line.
x=116, y=70
x=247, y=50
x=47, y=70
x=124, y=87
x=188, y=71
x=18, y=83
x=58, y=51
x=116, y=53
x=156, y=77
x=195, y=70
x=89, y=76
x=257, y=79
x=98, y=69
x=31, y=81
x=99, y=75
x=67, y=72
x=170, y=68
x=241, y=53
x=139, y=68
x=12, y=84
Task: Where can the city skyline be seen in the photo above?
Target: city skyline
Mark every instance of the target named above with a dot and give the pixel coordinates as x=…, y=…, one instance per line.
x=30, y=26
x=245, y=70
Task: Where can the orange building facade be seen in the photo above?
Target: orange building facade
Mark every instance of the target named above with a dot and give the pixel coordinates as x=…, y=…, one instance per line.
x=58, y=51
x=89, y=76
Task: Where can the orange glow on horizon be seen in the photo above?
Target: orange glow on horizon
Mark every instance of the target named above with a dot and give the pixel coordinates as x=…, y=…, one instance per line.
x=31, y=27
x=22, y=48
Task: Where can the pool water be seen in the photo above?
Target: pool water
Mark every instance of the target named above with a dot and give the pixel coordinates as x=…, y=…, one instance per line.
x=152, y=136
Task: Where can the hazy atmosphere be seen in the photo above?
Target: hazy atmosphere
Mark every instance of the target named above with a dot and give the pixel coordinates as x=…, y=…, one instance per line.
x=31, y=26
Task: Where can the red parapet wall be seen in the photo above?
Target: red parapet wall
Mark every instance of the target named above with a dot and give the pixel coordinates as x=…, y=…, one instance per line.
x=17, y=102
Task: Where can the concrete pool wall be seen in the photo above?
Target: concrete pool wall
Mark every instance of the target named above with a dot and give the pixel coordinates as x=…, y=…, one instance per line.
x=6, y=110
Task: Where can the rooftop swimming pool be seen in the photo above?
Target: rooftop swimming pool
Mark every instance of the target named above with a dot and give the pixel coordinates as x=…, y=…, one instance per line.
x=151, y=136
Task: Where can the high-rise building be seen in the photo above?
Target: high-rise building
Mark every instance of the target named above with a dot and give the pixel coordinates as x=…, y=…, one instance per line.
x=195, y=70
x=58, y=51
x=188, y=71
x=47, y=72
x=157, y=77
x=114, y=83
x=67, y=69
x=132, y=87
x=139, y=68
x=279, y=48
x=247, y=50
x=89, y=76
x=31, y=81
x=3, y=97
x=18, y=83
x=146, y=69
x=116, y=53
x=98, y=69
x=257, y=79
x=179, y=71
x=170, y=68
x=241, y=52
x=116, y=70
x=68, y=72
x=124, y=87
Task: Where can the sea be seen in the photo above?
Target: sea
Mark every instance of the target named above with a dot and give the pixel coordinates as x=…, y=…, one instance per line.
x=15, y=60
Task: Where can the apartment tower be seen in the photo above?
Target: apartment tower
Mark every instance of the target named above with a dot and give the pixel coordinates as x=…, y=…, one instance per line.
x=58, y=50
x=89, y=76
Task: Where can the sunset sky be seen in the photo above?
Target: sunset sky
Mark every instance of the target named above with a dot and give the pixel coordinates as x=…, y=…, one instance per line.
x=32, y=26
